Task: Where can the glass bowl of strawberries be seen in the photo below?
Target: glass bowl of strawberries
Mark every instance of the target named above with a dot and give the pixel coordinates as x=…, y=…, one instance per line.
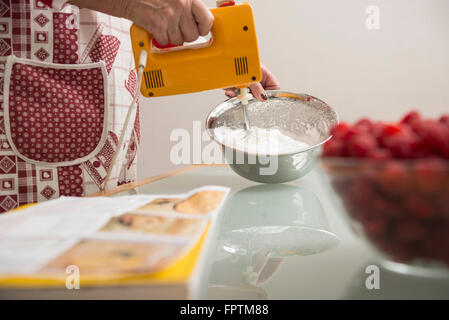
x=392, y=180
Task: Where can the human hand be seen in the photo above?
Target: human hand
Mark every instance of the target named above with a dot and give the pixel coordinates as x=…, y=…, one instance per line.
x=268, y=82
x=169, y=21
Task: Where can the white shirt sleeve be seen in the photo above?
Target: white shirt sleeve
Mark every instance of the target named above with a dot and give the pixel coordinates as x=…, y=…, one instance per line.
x=59, y=4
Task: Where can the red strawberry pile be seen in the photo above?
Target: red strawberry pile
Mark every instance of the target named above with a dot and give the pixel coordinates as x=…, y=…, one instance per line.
x=399, y=190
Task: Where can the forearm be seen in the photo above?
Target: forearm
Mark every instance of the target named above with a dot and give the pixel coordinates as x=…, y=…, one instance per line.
x=118, y=8
x=174, y=21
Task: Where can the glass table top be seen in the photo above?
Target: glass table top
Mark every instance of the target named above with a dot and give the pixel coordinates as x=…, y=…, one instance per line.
x=287, y=241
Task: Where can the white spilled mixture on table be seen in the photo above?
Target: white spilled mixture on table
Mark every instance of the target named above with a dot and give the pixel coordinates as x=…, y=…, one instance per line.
x=259, y=140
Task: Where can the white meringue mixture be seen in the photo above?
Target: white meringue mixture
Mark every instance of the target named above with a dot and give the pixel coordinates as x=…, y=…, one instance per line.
x=259, y=140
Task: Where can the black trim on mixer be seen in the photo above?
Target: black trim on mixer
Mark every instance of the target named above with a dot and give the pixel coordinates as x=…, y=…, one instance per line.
x=241, y=65
x=153, y=79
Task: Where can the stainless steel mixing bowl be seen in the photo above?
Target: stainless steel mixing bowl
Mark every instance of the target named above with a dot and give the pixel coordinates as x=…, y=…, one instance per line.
x=300, y=116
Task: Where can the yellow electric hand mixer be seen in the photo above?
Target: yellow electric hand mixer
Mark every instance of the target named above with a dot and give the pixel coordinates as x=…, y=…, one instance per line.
x=228, y=58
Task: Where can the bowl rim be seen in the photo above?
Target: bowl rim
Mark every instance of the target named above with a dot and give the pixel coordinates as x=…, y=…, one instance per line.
x=273, y=93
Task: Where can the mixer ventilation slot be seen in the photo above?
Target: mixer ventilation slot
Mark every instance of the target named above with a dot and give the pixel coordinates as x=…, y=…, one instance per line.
x=153, y=79
x=241, y=65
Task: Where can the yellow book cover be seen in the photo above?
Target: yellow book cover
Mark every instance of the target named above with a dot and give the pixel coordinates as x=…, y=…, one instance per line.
x=153, y=251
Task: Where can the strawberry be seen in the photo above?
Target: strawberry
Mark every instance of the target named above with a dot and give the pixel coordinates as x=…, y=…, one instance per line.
x=394, y=178
x=395, y=210
x=399, y=140
x=432, y=137
x=436, y=244
x=401, y=146
x=419, y=207
x=364, y=125
x=374, y=227
x=444, y=120
x=351, y=132
x=442, y=203
x=378, y=129
x=361, y=145
x=333, y=148
x=361, y=193
x=410, y=230
x=429, y=175
x=445, y=148
x=380, y=154
x=340, y=130
x=391, y=129
x=384, y=131
x=411, y=117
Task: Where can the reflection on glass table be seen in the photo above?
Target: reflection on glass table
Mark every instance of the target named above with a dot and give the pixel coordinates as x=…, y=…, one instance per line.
x=279, y=267
x=260, y=226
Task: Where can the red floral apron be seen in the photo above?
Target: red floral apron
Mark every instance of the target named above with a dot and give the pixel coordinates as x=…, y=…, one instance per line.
x=66, y=81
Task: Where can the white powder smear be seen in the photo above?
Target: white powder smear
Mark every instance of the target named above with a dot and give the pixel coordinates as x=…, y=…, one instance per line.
x=259, y=141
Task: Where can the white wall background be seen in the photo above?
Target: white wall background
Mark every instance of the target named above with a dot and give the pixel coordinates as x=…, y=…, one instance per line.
x=322, y=47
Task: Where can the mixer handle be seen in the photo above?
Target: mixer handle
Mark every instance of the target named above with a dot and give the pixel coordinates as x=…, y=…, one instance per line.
x=201, y=42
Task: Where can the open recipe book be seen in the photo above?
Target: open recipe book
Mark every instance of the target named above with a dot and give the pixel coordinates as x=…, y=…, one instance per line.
x=139, y=246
